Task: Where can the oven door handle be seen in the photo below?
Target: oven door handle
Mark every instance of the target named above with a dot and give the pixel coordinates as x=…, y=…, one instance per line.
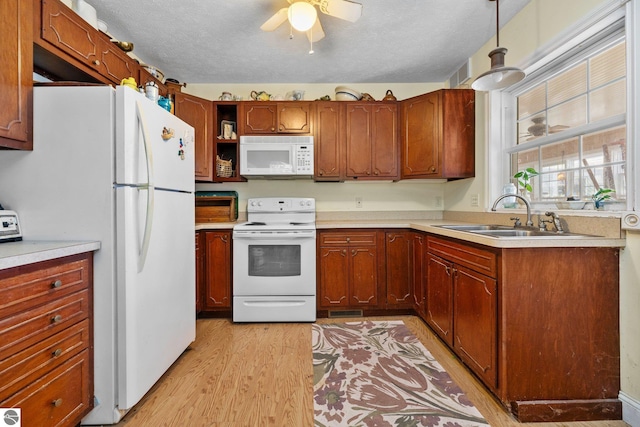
x=274, y=236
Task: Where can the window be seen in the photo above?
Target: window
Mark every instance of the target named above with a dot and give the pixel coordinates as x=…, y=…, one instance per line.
x=571, y=124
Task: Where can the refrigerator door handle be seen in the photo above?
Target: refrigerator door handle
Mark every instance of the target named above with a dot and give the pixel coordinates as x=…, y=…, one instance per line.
x=142, y=255
x=148, y=152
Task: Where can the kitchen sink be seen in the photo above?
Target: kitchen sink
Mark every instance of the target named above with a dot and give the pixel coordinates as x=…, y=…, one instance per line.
x=502, y=231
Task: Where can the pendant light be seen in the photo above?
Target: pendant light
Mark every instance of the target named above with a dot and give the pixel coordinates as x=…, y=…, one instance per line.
x=499, y=76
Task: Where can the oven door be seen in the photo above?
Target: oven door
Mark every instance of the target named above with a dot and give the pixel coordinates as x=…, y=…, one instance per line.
x=274, y=263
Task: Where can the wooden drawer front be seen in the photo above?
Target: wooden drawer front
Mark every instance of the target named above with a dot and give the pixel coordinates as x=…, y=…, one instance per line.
x=357, y=238
x=27, y=328
x=59, y=398
x=30, y=364
x=42, y=284
x=480, y=260
x=67, y=31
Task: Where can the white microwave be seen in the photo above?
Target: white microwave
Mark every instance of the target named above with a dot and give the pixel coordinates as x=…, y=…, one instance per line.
x=276, y=155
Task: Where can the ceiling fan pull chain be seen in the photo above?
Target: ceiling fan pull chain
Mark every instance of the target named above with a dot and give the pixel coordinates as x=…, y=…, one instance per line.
x=290, y=32
x=311, y=41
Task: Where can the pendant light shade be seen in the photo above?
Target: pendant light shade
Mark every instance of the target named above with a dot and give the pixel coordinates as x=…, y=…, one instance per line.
x=302, y=15
x=499, y=76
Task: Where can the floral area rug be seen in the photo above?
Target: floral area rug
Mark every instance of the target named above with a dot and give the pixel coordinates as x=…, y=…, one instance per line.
x=378, y=374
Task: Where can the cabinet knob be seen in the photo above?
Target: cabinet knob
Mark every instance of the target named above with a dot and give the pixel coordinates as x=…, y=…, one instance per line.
x=353, y=252
x=376, y=173
x=433, y=168
x=320, y=173
x=56, y=284
x=57, y=402
x=96, y=62
x=273, y=129
x=57, y=352
x=56, y=319
x=348, y=239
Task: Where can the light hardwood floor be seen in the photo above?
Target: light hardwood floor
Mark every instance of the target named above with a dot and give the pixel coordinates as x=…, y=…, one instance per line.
x=258, y=375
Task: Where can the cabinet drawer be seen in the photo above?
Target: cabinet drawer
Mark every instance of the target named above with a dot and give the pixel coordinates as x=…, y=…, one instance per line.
x=28, y=365
x=27, y=328
x=343, y=239
x=59, y=398
x=23, y=288
x=477, y=259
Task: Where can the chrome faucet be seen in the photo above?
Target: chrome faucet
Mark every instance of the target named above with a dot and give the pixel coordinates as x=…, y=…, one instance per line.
x=556, y=221
x=526, y=202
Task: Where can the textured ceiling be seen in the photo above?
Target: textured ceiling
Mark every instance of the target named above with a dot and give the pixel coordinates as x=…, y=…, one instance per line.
x=220, y=41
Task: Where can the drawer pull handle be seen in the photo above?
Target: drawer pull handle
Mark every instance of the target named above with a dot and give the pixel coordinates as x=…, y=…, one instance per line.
x=57, y=402
x=56, y=284
x=56, y=319
x=57, y=352
x=96, y=62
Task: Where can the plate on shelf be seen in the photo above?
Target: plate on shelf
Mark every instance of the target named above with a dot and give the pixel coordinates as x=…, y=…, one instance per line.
x=227, y=129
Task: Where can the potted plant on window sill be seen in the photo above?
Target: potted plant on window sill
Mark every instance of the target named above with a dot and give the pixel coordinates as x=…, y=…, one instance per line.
x=600, y=196
x=523, y=178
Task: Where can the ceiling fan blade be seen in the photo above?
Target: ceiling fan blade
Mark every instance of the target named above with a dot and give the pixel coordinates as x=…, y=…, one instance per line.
x=276, y=20
x=343, y=9
x=316, y=32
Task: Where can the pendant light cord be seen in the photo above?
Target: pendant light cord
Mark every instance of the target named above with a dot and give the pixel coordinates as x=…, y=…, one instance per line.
x=497, y=23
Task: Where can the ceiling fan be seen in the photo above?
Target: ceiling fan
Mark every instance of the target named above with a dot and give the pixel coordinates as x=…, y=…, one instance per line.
x=539, y=128
x=343, y=9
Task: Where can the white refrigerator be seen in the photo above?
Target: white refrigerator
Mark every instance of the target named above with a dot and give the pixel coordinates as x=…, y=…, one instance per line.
x=105, y=167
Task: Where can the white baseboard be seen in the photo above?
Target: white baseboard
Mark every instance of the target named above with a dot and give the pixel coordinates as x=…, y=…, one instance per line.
x=630, y=410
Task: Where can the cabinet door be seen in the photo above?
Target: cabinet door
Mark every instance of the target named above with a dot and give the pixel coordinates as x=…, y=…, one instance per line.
x=294, y=117
x=198, y=113
x=199, y=271
x=115, y=64
x=399, y=269
x=384, y=140
x=333, y=285
x=217, y=290
x=260, y=117
x=358, y=140
x=68, y=32
x=419, y=277
x=16, y=69
x=439, y=297
x=475, y=322
x=363, y=276
x=328, y=141
x=421, y=135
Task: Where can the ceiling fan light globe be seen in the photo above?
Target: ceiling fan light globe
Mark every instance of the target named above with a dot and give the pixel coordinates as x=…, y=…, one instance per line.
x=302, y=15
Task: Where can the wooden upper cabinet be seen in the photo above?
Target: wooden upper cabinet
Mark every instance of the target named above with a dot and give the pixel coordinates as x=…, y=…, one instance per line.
x=198, y=112
x=70, y=48
x=67, y=31
x=115, y=64
x=16, y=74
x=438, y=135
x=263, y=117
x=328, y=142
x=371, y=141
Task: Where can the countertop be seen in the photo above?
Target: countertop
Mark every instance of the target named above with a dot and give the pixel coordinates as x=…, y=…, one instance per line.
x=15, y=254
x=431, y=226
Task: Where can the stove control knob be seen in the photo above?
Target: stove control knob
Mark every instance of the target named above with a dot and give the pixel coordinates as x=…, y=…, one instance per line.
x=301, y=202
x=259, y=203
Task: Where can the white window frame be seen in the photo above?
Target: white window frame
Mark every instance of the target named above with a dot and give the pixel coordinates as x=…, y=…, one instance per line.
x=501, y=105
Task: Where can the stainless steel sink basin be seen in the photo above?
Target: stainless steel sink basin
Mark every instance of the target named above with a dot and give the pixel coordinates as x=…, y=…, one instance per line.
x=504, y=231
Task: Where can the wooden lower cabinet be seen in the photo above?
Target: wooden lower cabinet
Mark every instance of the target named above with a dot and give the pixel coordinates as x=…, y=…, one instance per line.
x=348, y=269
x=419, y=276
x=538, y=326
x=46, y=340
x=439, y=297
x=217, y=290
x=399, y=269
x=199, y=270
